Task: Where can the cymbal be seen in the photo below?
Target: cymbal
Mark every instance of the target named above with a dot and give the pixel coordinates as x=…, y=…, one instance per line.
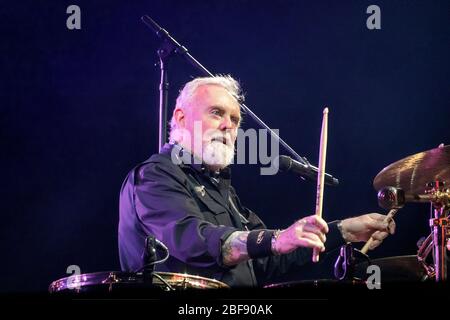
x=413, y=173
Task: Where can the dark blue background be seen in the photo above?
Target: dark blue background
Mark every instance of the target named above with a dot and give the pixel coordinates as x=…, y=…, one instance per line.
x=80, y=108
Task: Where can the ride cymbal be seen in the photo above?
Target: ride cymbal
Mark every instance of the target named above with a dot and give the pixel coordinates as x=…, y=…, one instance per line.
x=413, y=173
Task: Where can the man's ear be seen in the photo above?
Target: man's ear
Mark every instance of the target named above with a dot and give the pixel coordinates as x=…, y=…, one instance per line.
x=180, y=117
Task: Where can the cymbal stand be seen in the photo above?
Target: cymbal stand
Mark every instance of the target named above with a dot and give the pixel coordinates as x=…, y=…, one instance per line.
x=439, y=227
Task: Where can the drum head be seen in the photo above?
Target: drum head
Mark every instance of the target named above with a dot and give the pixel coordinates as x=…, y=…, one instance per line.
x=114, y=281
x=395, y=269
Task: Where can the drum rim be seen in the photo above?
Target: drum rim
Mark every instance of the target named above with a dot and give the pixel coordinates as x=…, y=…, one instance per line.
x=85, y=280
x=314, y=283
x=216, y=283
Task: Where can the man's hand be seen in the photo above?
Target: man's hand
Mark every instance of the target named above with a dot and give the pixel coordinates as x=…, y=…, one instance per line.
x=308, y=232
x=363, y=227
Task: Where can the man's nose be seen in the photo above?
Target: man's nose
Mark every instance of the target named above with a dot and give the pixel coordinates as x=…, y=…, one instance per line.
x=226, y=123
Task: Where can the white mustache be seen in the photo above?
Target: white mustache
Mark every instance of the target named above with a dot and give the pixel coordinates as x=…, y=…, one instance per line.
x=221, y=138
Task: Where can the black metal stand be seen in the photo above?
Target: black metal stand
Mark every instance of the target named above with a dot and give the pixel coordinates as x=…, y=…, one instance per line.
x=169, y=46
x=163, y=95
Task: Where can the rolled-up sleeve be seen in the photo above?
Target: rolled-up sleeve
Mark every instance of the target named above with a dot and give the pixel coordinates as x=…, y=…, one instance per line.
x=166, y=209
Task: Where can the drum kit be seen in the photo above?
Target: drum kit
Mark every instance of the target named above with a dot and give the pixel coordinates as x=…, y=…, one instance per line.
x=422, y=177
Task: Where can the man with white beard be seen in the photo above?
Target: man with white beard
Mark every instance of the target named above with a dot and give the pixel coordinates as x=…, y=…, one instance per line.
x=184, y=198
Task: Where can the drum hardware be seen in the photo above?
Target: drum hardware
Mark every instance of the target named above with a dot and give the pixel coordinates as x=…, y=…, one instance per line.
x=425, y=248
x=438, y=195
x=391, y=198
x=439, y=226
x=422, y=178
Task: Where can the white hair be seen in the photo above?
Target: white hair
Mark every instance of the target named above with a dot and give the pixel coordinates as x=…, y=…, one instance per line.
x=186, y=94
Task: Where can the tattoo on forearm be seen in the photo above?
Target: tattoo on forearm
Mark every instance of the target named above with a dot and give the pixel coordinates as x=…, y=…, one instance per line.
x=234, y=250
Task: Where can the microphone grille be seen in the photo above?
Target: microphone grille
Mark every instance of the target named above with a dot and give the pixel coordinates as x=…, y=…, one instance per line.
x=284, y=163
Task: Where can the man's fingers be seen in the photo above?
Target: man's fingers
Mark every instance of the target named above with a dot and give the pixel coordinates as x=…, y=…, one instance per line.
x=374, y=244
x=377, y=216
x=305, y=242
x=380, y=235
x=378, y=225
x=312, y=240
x=311, y=236
x=392, y=226
x=318, y=222
x=315, y=230
x=388, y=226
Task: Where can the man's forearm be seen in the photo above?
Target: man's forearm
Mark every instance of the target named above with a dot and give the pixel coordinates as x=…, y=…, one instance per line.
x=234, y=249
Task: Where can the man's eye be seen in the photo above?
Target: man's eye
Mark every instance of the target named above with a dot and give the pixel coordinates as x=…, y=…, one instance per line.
x=215, y=112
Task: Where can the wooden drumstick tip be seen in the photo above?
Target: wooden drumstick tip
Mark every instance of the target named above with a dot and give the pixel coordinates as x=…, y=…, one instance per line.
x=325, y=111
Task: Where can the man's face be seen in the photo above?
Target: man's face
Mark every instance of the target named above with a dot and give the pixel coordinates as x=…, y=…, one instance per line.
x=212, y=119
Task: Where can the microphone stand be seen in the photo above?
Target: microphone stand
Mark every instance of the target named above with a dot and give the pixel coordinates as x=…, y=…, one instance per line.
x=170, y=46
x=164, y=55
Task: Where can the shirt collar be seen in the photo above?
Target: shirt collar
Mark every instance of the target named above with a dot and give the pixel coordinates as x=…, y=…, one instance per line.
x=187, y=160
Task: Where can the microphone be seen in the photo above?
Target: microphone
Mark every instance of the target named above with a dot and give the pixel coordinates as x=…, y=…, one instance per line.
x=150, y=257
x=307, y=172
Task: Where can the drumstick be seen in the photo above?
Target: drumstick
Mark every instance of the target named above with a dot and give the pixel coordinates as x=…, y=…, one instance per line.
x=321, y=172
x=389, y=216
